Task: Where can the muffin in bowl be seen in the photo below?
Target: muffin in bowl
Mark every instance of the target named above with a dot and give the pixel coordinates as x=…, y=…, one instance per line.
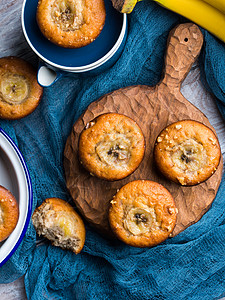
x=71, y=23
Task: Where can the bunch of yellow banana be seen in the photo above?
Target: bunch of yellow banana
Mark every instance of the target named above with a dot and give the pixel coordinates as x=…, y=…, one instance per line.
x=209, y=14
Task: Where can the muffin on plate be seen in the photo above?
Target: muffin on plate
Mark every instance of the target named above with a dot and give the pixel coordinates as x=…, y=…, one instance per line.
x=71, y=23
x=142, y=213
x=187, y=152
x=9, y=213
x=111, y=146
x=20, y=92
x=56, y=220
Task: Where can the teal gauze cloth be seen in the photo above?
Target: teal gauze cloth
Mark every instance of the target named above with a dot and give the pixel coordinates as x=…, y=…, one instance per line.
x=188, y=266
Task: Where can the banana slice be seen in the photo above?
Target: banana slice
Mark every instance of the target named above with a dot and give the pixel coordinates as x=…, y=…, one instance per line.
x=115, y=151
x=14, y=88
x=189, y=155
x=68, y=15
x=139, y=220
x=60, y=220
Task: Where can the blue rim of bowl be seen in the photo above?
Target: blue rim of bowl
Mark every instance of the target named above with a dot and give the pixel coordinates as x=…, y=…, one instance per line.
x=30, y=200
x=88, y=67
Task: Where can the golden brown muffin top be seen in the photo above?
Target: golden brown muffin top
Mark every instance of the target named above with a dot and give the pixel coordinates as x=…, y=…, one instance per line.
x=187, y=152
x=142, y=213
x=111, y=146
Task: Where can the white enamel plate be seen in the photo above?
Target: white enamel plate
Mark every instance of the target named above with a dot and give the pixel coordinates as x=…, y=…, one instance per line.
x=15, y=177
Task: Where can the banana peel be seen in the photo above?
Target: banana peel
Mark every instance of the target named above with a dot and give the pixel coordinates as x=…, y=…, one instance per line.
x=125, y=6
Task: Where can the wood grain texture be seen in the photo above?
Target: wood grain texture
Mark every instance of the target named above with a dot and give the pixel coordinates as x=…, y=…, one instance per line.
x=153, y=108
x=13, y=291
x=13, y=41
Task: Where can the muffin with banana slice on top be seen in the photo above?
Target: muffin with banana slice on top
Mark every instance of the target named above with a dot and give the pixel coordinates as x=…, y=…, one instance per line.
x=142, y=213
x=20, y=92
x=71, y=23
x=187, y=152
x=111, y=146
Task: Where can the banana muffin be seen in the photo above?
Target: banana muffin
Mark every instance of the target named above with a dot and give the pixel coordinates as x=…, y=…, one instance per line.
x=9, y=213
x=111, y=146
x=56, y=220
x=142, y=213
x=71, y=23
x=187, y=152
x=20, y=92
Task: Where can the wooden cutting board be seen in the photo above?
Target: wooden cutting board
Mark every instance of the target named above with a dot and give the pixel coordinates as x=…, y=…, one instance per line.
x=153, y=108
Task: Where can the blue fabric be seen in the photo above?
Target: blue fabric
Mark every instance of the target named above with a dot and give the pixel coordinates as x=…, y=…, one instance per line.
x=189, y=266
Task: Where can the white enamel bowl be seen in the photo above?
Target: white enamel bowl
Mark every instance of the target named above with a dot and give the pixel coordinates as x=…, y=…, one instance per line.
x=15, y=177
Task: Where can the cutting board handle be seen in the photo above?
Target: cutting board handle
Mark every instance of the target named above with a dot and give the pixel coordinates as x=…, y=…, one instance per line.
x=184, y=45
